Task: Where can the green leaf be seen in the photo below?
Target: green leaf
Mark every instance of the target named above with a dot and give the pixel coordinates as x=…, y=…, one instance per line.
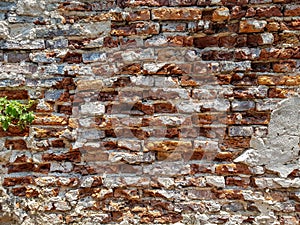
x=12, y=111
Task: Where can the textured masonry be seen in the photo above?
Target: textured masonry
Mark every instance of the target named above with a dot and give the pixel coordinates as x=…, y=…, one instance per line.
x=152, y=112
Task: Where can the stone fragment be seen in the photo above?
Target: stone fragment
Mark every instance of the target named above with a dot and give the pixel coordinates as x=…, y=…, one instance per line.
x=244, y=131
x=242, y=105
x=31, y=7
x=215, y=181
x=93, y=57
x=92, y=108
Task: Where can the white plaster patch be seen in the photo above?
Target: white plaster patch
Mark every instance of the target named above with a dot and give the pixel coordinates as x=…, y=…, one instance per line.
x=279, y=150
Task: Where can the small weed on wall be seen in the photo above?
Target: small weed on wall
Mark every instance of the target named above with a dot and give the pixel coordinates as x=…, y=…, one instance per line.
x=14, y=112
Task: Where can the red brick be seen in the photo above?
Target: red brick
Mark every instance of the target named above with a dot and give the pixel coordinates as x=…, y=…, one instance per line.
x=207, y=41
x=131, y=69
x=273, y=27
x=50, y=120
x=268, y=11
x=292, y=10
x=16, y=144
x=279, y=80
x=284, y=66
x=13, y=181
x=164, y=107
x=228, y=41
x=64, y=109
x=72, y=57
x=280, y=93
x=48, y=132
x=249, y=118
x=170, y=217
x=25, y=192
x=234, y=2
x=143, y=14
x=14, y=94
x=29, y=167
x=14, y=130
x=235, y=142
x=73, y=156
x=238, y=181
x=66, y=83
x=237, y=12
x=223, y=169
x=217, y=55
x=221, y=14
x=139, y=28
x=134, y=3
x=229, y=194
x=84, y=169
x=183, y=2
x=252, y=26
x=224, y=156
x=180, y=41
x=176, y=14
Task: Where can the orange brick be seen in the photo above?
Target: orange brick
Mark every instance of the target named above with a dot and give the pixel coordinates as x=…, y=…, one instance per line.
x=176, y=14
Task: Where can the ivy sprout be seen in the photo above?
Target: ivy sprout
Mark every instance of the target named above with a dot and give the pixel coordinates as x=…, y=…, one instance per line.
x=15, y=112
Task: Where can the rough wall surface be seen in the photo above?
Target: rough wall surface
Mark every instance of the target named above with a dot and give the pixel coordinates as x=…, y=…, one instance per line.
x=152, y=112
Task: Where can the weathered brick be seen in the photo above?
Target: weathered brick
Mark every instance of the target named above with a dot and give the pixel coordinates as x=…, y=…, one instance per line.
x=234, y=2
x=279, y=80
x=13, y=181
x=217, y=55
x=16, y=144
x=221, y=14
x=25, y=192
x=268, y=11
x=142, y=108
x=143, y=14
x=252, y=26
x=29, y=167
x=292, y=10
x=14, y=94
x=250, y=93
x=237, y=131
x=14, y=130
x=232, y=169
x=139, y=28
x=280, y=92
x=242, y=105
x=235, y=142
x=183, y=2
x=176, y=14
x=249, y=118
x=207, y=41
x=284, y=66
x=261, y=66
x=134, y=3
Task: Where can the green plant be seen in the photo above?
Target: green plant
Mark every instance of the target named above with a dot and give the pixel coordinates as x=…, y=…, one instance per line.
x=14, y=112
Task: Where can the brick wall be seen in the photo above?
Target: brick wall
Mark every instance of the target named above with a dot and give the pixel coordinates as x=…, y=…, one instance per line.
x=151, y=112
